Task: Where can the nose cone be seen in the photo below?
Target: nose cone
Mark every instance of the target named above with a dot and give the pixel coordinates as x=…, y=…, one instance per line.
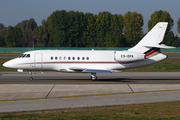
x=10, y=64
x=7, y=64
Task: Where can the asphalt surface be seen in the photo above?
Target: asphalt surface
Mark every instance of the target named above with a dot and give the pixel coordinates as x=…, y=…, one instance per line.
x=8, y=56
x=84, y=78
x=88, y=101
x=154, y=79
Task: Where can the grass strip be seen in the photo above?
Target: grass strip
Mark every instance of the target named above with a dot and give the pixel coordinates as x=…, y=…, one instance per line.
x=10, y=53
x=4, y=68
x=148, y=111
x=170, y=65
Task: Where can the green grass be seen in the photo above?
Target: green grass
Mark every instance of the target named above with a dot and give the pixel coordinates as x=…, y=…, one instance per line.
x=173, y=54
x=10, y=53
x=4, y=68
x=149, y=111
x=165, y=65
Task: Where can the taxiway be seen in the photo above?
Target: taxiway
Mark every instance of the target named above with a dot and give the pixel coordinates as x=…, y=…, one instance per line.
x=84, y=78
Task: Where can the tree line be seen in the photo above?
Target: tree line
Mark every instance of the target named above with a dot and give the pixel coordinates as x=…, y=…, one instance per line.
x=78, y=29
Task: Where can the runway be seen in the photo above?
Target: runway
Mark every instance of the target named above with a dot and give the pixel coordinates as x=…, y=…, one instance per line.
x=84, y=78
x=56, y=90
x=88, y=101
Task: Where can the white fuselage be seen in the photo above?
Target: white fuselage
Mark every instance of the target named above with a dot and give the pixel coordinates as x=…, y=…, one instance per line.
x=65, y=60
x=147, y=51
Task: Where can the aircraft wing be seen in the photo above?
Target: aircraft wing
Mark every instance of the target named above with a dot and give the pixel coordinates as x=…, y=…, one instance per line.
x=77, y=69
x=86, y=70
x=91, y=70
x=101, y=71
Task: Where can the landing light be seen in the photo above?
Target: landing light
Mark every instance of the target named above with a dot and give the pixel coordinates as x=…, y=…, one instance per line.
x=19, y=70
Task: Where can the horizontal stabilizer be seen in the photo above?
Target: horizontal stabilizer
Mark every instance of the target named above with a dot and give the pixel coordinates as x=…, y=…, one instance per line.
x=158, y=46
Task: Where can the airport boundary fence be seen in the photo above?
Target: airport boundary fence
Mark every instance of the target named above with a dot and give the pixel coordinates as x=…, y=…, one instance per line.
x=24, y=49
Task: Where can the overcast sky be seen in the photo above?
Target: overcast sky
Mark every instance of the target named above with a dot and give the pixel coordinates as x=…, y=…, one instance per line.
x=14, y=11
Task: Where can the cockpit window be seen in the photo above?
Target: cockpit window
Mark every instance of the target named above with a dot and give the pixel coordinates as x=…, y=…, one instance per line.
x=21, y=55
x=28, y=55
x=24, y=55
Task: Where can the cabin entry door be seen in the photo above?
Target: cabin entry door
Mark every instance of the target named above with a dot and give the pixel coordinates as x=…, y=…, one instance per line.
x=38, y=61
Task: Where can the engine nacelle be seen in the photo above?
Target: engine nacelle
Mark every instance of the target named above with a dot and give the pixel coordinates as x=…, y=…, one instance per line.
x=127, y=56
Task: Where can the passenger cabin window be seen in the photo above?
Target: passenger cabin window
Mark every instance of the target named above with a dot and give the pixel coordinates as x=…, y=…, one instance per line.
x=56, y=58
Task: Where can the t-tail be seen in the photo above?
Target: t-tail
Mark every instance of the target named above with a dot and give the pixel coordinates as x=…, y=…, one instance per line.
x=150, y=45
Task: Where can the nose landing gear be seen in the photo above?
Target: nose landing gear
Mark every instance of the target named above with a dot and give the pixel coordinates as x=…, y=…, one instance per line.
x=31, y=78
x=30, y=74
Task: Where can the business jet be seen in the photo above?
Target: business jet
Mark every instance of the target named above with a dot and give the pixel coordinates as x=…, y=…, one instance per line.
x=146, y=52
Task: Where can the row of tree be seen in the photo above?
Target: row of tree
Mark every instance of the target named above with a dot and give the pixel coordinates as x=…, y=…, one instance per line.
x=76, y=29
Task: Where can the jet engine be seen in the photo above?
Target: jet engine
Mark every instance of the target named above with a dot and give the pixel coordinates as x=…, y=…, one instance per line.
x=127, y=56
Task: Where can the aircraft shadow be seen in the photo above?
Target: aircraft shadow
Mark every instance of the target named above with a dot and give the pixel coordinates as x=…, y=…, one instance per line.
x=109, y=79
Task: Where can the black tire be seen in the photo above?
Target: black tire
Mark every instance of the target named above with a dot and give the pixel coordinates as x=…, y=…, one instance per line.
x=31, y=78
x=93, y=79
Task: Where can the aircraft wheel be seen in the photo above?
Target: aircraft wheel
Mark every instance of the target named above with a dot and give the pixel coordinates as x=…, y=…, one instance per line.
x=93, y=78
x=31, y=78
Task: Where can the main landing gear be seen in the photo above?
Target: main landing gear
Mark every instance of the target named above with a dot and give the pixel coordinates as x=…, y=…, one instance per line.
x=93, y=76
x=30, y=74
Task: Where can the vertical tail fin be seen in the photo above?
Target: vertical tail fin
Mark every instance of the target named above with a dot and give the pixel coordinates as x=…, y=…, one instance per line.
x=152, y=40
